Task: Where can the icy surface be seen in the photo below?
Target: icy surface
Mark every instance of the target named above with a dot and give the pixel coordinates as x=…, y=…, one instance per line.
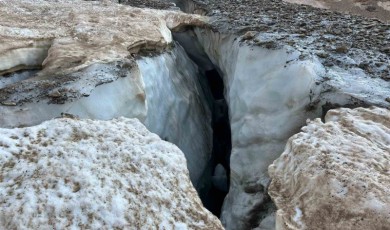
x=334, y=175
x=16, y=77
x=93, y=67
x=271, y=93
x=176, y=107
x=161, y=91
x=90, y=174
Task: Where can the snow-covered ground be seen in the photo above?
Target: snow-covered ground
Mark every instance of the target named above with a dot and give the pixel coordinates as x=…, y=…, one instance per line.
x=90, y=174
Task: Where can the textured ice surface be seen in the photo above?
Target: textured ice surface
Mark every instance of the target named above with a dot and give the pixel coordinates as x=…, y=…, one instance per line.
x=88, y=174
x=334, y=175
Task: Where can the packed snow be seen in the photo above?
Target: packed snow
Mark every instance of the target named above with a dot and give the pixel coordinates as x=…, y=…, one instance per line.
x=334, y=174
x=89, y=174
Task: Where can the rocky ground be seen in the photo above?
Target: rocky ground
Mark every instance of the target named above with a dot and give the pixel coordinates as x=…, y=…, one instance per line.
x=337, y=39
x=368, y=8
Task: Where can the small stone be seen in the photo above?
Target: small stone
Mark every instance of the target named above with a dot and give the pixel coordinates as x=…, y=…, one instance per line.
x=55, y=93
x=364, y=65
x=322, y=54
x=249, y=35
x=371, y=8
x=342, y=49
x=387, y=99
x=8, y=103
x=385, y=49
x=68, y=115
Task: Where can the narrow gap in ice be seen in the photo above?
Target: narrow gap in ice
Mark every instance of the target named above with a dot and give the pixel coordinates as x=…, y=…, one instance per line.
x=213, y=192
x=222, y=145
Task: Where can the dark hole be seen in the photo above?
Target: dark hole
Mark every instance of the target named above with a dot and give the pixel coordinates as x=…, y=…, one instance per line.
x=215, y=180
x=216, y=84
x=214, y=194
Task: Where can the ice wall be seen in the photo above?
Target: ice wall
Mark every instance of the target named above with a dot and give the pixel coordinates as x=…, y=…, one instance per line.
x=177, y=109
x=271, y=93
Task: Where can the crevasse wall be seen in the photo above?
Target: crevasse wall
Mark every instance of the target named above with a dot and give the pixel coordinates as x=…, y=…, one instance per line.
x=271, y=93
x=177, y=109
x=161, y=91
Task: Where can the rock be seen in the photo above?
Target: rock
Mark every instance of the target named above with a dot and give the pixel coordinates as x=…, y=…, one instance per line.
x=334, y=175
x=387, y=99
x=342, y=49
x=249, y=35
x=303, y=26
x=385, y=49
x=8, y=103
x=95, y=175
x=371, y=8
x=55, y=93
x=322, y=54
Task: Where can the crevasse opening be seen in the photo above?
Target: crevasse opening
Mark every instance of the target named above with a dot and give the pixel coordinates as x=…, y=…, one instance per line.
x=213, y=191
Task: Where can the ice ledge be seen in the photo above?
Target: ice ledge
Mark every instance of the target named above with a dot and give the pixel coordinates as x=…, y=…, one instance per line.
x=80, y=33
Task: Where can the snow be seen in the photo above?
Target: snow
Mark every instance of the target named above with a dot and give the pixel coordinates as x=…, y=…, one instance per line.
x=74, y=174
x=335, y=173
x=297, y=217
